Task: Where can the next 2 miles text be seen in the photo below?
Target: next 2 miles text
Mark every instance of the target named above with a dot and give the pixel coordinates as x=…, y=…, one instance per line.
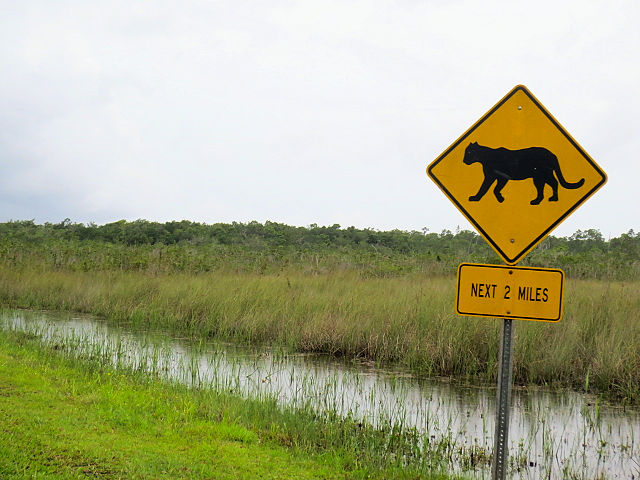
x=524, y=293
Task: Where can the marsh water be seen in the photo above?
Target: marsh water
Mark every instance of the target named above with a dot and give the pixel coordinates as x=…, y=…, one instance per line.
x=552, y=434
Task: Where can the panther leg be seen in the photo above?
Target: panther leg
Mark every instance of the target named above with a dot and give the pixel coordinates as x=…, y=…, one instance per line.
x=539, y=183
x=554, y=186
x=483, y=189
x=499, y=186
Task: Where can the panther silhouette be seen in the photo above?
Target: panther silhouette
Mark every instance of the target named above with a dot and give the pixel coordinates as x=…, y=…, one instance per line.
x=501, y=165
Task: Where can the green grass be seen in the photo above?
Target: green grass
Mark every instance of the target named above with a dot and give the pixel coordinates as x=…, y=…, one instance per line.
x=407, y=320
x=62, y=418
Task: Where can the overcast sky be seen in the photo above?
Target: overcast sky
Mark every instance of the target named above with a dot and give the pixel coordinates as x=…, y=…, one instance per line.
x=298, y=112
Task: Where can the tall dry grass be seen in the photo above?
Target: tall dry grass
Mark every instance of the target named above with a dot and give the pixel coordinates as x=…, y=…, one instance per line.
x=407, y=320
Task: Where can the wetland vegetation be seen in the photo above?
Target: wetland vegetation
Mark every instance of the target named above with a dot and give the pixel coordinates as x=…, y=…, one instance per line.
x=396, y=421
x=69, y=416
x=379, y=297
x=383, y=296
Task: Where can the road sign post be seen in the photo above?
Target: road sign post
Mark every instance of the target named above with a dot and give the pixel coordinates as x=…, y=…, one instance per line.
x=503, y=401
x=515, y=174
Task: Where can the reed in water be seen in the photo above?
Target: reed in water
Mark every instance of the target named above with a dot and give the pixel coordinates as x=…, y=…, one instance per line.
x=407, y=320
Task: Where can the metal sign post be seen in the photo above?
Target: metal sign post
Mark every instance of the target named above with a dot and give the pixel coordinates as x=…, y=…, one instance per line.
x=505, y=370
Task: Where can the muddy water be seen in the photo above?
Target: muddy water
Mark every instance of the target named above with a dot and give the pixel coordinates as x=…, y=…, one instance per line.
x=552, y=434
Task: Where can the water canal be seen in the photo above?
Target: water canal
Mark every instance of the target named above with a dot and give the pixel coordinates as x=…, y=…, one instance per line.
x=552, y=434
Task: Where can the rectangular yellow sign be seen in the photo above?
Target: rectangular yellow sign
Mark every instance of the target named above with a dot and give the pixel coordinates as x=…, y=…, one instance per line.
x=526, y=293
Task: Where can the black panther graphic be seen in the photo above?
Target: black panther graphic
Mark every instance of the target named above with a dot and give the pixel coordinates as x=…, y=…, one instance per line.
x=501, y=165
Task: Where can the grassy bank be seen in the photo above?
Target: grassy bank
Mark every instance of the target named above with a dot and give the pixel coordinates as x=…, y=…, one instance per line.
x=62, y=417
x=407, y=320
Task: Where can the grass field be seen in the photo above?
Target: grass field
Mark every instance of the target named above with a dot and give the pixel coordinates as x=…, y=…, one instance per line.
x=408, y=320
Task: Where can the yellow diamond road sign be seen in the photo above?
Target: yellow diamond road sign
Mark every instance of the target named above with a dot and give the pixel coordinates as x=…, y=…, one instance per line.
x=516, y=174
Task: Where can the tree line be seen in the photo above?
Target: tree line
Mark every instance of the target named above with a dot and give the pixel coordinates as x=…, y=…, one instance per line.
x=586, y=253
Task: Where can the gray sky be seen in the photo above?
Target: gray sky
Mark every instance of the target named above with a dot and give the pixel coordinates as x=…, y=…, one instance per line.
x=297, y=112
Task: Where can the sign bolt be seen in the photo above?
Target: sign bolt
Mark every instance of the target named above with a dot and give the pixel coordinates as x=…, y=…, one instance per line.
x=512, y=240
x=519, y=107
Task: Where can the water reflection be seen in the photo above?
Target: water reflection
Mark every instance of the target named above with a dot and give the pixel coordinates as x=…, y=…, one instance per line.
x=552, y=435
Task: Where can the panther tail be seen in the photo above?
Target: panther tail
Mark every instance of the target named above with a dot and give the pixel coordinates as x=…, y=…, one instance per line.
x=565, y=184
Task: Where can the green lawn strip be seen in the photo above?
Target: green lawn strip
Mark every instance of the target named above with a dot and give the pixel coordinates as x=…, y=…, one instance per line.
x=60, y=418
x=59, y=423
